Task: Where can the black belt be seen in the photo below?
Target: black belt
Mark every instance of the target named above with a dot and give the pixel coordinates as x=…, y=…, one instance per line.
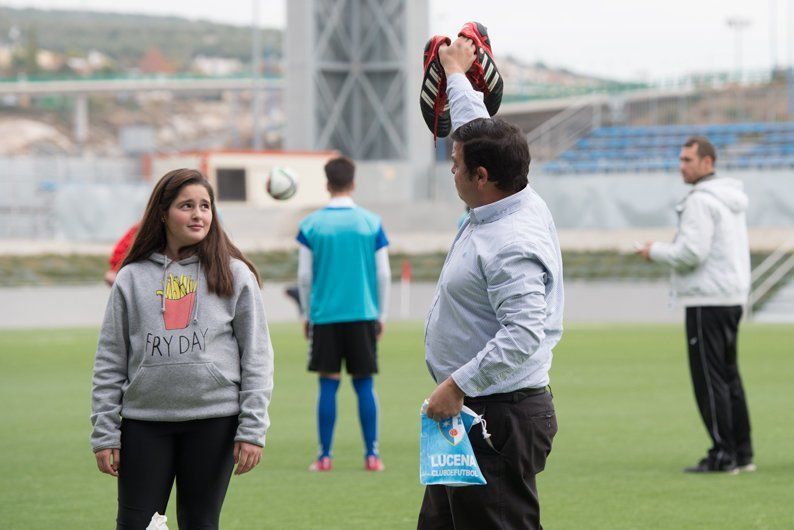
x=509, y=397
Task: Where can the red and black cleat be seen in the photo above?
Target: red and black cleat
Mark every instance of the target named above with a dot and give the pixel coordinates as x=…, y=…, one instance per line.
x=433, y=96
x=483, y=74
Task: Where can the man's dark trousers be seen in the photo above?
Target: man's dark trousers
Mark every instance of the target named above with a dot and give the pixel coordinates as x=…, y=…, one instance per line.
x=522, y=429
x=712, y=335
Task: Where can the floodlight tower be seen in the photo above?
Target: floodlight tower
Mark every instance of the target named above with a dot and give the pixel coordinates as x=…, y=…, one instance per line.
x=354, y=71
x=256, y=78
x=790, y=59
x=773, y=35
x=738, y=24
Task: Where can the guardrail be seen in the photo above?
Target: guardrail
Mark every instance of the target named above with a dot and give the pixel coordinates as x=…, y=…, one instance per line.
x=93, y=86
x=564, y=129
x=773, y=270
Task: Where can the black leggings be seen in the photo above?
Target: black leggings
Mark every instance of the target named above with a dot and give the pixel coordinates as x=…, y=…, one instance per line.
x=198, y=453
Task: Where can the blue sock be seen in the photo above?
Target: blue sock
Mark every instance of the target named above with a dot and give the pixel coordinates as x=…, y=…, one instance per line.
x=326, y=414
x=367, y=413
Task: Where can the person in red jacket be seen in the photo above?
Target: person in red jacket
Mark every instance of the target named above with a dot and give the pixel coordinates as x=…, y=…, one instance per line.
x=119, y=253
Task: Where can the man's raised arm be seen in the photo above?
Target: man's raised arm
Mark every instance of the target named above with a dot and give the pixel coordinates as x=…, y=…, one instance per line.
x=465, y=103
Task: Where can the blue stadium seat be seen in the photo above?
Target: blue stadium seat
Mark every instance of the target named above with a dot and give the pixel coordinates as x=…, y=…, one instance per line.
x=620, y=149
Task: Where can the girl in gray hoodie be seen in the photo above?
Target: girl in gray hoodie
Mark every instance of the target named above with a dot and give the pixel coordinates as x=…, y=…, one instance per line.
x=184, y=366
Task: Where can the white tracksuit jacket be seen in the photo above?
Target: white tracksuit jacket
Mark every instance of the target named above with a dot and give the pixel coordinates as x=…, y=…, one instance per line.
x=710, y=255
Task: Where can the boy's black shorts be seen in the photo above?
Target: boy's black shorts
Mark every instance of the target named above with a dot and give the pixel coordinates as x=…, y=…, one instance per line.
x=355, y=342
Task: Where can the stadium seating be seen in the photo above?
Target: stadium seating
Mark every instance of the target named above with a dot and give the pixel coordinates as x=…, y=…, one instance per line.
x=627, y=149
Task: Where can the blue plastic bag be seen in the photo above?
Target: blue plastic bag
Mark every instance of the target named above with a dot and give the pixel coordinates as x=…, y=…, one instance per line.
x=445, y=453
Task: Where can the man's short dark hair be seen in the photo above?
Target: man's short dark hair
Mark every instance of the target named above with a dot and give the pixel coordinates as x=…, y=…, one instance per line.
x=705, y=148
x=499, y=147
x=340, y=171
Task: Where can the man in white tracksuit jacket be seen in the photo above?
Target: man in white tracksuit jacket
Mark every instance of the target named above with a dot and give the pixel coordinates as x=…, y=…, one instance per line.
x=710, y=259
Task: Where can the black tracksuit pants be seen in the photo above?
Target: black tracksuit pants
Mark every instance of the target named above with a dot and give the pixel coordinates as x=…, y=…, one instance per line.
x=712, y=335
x=199, y=454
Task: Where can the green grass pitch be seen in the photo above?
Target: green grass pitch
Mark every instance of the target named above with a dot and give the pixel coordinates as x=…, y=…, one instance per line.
x=627, y=420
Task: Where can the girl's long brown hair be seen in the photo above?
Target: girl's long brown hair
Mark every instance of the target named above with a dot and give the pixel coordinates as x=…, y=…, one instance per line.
x=214, y=251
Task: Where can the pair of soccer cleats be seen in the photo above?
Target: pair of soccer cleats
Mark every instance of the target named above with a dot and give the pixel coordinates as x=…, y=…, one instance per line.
x=483, y=75
x=372, y=463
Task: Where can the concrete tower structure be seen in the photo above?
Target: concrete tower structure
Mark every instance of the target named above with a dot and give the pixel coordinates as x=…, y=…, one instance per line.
x=354, y=69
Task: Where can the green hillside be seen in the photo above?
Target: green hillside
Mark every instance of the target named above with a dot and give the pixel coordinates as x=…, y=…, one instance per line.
x=126, y=37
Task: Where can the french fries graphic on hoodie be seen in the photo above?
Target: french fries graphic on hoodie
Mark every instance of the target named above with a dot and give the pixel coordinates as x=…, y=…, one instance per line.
x=180, y=297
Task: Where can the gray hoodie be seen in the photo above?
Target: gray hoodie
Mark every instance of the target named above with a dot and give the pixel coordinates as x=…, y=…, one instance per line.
x=169, y=350
x=710, y=255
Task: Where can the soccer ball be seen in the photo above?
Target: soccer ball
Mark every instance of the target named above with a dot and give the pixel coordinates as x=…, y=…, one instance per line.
x=282, y=183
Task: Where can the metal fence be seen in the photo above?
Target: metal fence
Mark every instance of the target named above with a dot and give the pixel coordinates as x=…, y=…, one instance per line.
x=30, y=185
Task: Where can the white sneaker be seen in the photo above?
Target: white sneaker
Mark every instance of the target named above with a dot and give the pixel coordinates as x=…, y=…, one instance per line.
x=747, y=468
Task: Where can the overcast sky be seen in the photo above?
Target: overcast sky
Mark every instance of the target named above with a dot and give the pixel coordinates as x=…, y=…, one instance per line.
x=627, y=39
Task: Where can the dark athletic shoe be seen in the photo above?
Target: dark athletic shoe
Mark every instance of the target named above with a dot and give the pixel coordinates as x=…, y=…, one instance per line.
x=707, y=465
x=483, y=74
x=746, y=467
x=433, y=96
